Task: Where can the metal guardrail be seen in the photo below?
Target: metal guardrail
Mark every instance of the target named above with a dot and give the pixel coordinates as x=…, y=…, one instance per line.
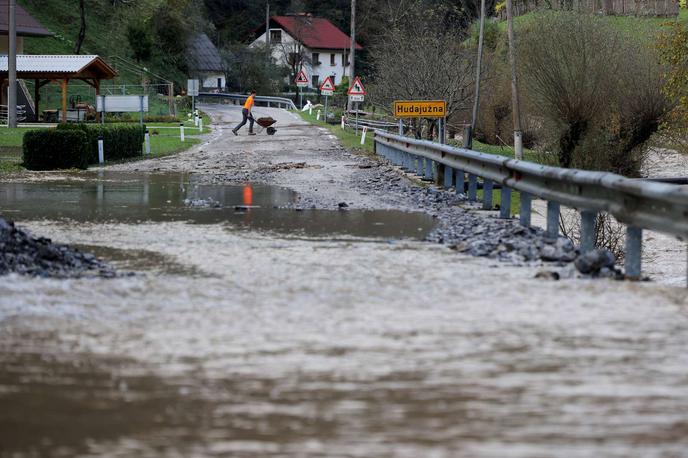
x=279, y=102
x=637, y=203
x=370, y=124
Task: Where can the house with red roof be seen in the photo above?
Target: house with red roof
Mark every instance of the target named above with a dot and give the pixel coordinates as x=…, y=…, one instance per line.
x=314, y=44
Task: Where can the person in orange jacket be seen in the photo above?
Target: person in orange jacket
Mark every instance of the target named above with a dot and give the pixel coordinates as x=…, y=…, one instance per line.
x=246, y=112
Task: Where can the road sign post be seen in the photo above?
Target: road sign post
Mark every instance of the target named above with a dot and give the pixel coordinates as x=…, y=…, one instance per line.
x=327, y=89
x=357, y=94
x=301, y=82
x=192, y=90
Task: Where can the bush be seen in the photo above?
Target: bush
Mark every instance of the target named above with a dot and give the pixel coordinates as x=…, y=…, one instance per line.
x=49, y=149
x=597, y=90
x=120, y=141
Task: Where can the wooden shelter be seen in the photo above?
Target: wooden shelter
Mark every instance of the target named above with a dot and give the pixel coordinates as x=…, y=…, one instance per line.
x=60, y=69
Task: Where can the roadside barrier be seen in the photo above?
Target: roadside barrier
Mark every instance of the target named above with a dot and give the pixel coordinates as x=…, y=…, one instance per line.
x=639, y=204
x=277, y=102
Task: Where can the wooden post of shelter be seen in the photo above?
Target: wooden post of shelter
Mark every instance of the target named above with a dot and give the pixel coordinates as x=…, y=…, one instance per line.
x=36, y=97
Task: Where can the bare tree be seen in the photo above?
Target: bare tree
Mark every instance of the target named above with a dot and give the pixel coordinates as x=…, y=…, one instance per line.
x=418, y=58
x=82, y=29
x=293, y=52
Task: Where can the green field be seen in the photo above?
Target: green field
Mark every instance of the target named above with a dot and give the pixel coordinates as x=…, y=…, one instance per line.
x=165, y=140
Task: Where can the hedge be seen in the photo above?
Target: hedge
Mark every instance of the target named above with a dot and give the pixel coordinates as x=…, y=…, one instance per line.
x=76, y=145
x=120, y=141
x=49, y=149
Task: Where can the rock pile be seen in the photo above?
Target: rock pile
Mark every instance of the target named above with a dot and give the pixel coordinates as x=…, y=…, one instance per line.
x=24, y=254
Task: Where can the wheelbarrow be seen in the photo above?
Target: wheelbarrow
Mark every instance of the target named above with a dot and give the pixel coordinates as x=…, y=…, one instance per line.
x=266, y=123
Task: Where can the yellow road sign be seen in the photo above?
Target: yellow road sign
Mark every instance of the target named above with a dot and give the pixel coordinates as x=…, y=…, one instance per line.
x=420, y=109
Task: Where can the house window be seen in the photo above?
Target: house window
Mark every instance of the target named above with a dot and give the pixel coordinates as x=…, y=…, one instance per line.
x=334, y=78
x=345, y=60
x=315, y=58
x=316, y=80
x=276, y=36
x=332, y=60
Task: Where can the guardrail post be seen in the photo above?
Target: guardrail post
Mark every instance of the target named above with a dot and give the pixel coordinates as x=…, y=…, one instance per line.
x=448, y=177
x=472, y=187
x=428, y=169
x=487, y=194
x=524, y=216
x=587, y=240
x=420, y=166
x=553, y=219
x=505, y=203
x=460, y=181
x=634, y=247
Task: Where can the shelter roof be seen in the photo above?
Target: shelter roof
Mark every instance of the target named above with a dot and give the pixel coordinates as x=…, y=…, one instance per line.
x=55, y=66
x=313, y=32
x=26, y=25
x=203, y=55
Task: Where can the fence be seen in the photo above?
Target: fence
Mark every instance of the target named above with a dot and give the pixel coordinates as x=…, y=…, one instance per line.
x=234, y=99
x=647, y=8
x=640, y=204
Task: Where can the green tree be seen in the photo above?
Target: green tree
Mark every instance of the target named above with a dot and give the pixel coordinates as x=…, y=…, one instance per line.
x=673, y=51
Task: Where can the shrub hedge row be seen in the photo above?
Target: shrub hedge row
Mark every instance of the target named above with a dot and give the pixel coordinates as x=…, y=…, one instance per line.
x=49, y=149
x=76, y=145
x=120, y=141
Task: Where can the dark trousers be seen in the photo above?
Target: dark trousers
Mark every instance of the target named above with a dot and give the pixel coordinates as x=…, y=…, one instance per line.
x=247, y=116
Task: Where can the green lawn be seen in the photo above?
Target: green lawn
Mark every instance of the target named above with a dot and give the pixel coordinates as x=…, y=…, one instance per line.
x=165, y=140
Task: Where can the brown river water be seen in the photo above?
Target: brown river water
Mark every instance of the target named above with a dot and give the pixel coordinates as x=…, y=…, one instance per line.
x=249, y=332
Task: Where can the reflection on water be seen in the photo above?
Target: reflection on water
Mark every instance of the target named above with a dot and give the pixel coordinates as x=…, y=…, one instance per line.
x=131, y=198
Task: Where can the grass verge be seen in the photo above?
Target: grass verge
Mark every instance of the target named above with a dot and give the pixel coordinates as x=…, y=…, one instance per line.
x=347, y=136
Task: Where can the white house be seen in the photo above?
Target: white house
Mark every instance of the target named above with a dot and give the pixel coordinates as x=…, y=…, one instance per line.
x=205, y=62
x=324, y=47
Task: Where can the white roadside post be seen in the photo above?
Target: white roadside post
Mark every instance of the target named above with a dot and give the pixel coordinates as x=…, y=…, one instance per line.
x=363, y=134
x=200, y=124
x=101, y=150
x=147, y=138
x=317, y=116
x=181, y=131
x=342, y=121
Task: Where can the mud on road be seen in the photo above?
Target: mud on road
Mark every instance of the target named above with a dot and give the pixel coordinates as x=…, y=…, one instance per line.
x=253, y=343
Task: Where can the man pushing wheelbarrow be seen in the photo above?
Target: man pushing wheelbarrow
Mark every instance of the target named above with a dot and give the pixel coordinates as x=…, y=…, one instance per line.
x=246, y=112
x=265, y=122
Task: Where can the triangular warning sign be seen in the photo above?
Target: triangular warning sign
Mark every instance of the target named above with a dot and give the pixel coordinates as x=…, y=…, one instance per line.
x=327, y=85
x=301, y=78
x=357, y=88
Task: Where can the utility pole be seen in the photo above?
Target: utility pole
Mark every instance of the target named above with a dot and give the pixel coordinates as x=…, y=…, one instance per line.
x=267, y=24
x=12, y=66
x=516, y=111
x=476, y=100
x=352, y=49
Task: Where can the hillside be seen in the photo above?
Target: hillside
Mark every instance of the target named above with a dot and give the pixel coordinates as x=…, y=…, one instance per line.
x=106, y=31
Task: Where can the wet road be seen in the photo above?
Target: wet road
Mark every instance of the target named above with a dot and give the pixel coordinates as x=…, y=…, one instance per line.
x=254, y=343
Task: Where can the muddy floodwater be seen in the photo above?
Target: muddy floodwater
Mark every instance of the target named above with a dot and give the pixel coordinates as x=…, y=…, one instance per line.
x=139, y=197
x=254, y=330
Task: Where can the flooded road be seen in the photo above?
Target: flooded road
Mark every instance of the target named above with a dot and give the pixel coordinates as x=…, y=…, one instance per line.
x=246, y=341
x=141, y=197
